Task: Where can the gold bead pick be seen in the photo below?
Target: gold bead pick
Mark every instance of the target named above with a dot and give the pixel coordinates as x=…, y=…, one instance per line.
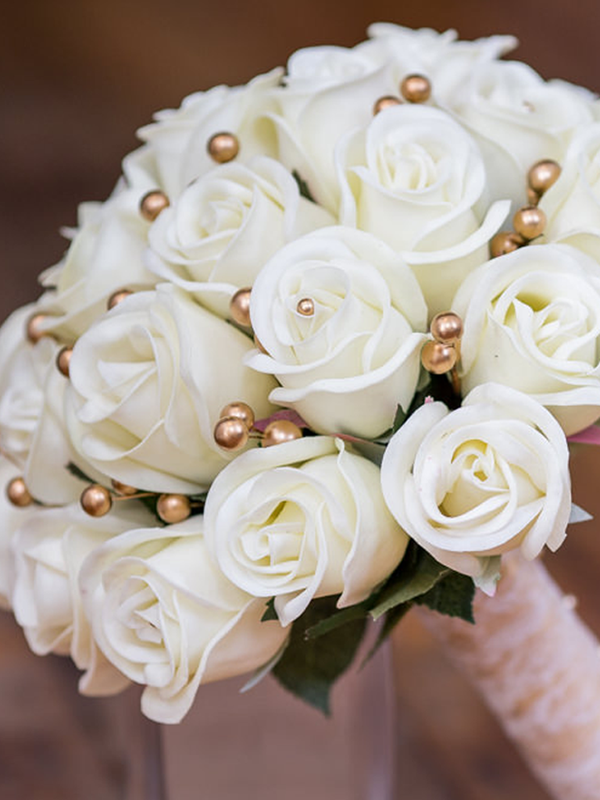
x=239, y=410
x=96, y=500
x=385, y=102
x=239, y=307
x=152, y=203
x=123, y=488
x=306, y=307
x=173, y=508
x=542, y=175
x=117, y=297
x=280, y=431
x=223, y=147
x=231, y=433
x=505, y=242
x=35, y=328
x=415, y=88
x=18, y=493
x=447, y=328
x=529, y=222
x=438, y=357
x=63, y=360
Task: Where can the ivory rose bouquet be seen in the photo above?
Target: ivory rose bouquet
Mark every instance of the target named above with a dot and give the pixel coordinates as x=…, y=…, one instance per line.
x=314, y=361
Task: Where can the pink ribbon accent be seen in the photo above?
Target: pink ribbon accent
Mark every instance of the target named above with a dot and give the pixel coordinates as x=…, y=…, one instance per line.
x=286, y=413
x=590, y=435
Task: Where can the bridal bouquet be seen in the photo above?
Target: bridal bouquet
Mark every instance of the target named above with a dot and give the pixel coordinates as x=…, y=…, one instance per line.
x=313, y=362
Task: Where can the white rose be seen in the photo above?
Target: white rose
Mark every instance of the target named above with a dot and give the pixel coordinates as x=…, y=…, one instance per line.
x=532, y=321
x=518, y=119
x=572, y=205
x=147, y=384
x=12, y=517
x=32, y=426
x=213, y=240
x=416, y=179
x=347, y=366
x=175, y=151
x=104, y=256
x=165, y=616
x=471, y=484
x=48, y=551
x=301, y=520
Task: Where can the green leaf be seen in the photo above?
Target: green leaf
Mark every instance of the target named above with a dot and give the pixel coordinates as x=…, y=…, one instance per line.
x=270, y=612
x=417, y=573
x=303, y=186
x=308, y=669
x=78, y=473
x=453, y=595
x=358, y=611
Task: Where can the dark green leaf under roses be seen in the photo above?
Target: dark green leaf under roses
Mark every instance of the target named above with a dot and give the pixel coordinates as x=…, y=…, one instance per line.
x=309, y=668
x=78, y=473
x=270, y=612
x=452, y=595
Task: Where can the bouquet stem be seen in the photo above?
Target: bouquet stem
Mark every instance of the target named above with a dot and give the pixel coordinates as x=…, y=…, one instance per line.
x=538, y=668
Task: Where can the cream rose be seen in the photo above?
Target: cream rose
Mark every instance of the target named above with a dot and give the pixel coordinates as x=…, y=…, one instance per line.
x=175, y=154
x=302, y=520
x=104, y=256
x=517, y=118
x=147, y=384
x=415, y=178
x=532, y=321
x=346, y=366
x=471, y=484
x=572, y=205
x=48, y=550
x=165, y=616
x=212, y=241
x=12, y=517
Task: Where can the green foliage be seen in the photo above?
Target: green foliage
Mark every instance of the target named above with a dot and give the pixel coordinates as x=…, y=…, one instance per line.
x=270, y=612
x=303, y=187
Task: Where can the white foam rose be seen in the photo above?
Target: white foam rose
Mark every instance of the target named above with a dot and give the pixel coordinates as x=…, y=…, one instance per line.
x=166, y=617
x=48, y=551
x=104, y=256
x=301, y=520
x=32, y=427
x=147, y=384
x=12, y=518
x=416, y=179
x=175, y=152
x=518, y=118
x=346, y=367
x=471, y=484
x=532, y=321
x=572, y=204
x=212, y=241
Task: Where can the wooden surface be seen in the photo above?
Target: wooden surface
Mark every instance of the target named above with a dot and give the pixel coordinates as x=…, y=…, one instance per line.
x=76, y=79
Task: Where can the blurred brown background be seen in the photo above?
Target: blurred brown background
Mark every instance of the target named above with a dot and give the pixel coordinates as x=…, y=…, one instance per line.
x=76, y=79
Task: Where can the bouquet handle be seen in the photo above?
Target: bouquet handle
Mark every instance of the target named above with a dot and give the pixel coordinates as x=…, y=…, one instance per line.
x=538, y=668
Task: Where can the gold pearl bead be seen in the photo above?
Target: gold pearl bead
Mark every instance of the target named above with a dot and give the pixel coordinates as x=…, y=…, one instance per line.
x=152, y=203
x=415, y=89
x=223, y=147
x=446, y=327
x=63, y=360
x=280, y=431
x=117, y=297
x=529, y=222
x=240, y=411
x=18, y=493
x=438, y=357
x=172, y=508
x=239, y=307
x=388, y=101
x=231, y=433
x=35, y=328
x=543, y=175
x=306, y=307
x=533, y=198
x=505, y=242
x=123, y=488
x=96, y=500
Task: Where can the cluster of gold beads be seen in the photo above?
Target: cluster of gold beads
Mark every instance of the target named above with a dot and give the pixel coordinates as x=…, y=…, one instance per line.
x=441, y=354
x=413, y=89
x=97, y=501
x=540, y=178
x=236, y=426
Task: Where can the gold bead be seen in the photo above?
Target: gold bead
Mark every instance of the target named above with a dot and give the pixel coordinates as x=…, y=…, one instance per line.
x=172, y=508
x=231, y=433
x=117, y=297
x=533, y=198
x=446, y=327
x=223, y=147
x=63, y=360
x=35, y=328
x=543, y=175
x=306, y=307
x=123, y=488
x=415, y=89
x=505, y=242
x=152, y=203
x=388, y=101
x=239, y=307
x=529, y=222
x=240, y=411
x=280, y=431
x=18, y=493
x=96, y=500
x=438, y=357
